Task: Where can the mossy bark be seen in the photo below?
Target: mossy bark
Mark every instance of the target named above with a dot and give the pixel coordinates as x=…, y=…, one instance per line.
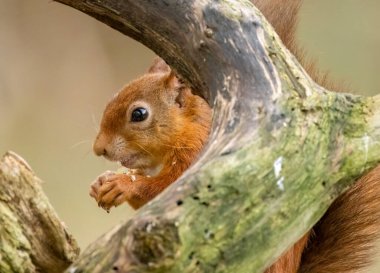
x=281, y=149
x=32, y=238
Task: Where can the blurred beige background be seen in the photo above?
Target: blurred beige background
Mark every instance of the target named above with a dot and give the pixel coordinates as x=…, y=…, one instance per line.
x=59, y=67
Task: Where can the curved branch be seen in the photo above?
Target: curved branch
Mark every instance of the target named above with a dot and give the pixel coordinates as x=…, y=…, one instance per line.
x=281, y=149
x=32, y=238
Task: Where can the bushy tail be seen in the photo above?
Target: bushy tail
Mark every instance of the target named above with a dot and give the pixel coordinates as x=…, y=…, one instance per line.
x=345, y=238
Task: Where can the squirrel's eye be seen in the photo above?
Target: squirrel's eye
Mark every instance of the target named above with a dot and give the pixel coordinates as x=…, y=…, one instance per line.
x=139, y=114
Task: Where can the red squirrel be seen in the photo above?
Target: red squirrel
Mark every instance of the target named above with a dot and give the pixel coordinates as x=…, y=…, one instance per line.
x=156, y=126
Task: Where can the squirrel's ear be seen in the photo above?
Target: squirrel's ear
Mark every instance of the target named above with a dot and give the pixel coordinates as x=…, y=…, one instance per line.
x=172, y=82
x=159, y=66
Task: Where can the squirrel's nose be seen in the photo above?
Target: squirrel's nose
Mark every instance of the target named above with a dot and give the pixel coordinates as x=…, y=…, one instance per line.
x=100, y=144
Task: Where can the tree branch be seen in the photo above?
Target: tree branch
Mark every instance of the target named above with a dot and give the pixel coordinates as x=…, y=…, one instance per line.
x=32, y=238
x=281, y=149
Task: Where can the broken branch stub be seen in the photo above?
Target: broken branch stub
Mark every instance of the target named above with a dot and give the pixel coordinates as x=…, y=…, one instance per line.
x=281, y=148
x=32, y=238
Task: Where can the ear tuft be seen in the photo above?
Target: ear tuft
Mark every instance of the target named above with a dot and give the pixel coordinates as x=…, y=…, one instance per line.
x=159, y=66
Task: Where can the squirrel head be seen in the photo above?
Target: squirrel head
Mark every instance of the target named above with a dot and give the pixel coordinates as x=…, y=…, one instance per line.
x=146, y=120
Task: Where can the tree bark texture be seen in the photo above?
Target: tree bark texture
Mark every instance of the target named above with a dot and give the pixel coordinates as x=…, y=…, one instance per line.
x=32, y=238
x=281, y=148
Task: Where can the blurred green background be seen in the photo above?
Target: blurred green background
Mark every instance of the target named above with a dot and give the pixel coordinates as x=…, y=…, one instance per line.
x=59, y=67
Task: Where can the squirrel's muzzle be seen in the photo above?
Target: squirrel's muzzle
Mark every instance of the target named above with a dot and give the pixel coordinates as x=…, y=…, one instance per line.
x=100, y=145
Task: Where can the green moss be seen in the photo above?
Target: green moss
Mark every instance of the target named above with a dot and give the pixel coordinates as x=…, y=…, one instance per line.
x=14, y=246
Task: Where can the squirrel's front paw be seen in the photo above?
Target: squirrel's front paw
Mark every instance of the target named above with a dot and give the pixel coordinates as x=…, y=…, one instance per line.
x=99, y=181
x=110, y=189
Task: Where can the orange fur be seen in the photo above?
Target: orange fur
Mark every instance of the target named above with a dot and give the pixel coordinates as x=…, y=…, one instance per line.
x=343, y=241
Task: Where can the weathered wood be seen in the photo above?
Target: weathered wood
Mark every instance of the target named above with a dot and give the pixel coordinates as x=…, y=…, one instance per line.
x=32, y=238
x=281, y=149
